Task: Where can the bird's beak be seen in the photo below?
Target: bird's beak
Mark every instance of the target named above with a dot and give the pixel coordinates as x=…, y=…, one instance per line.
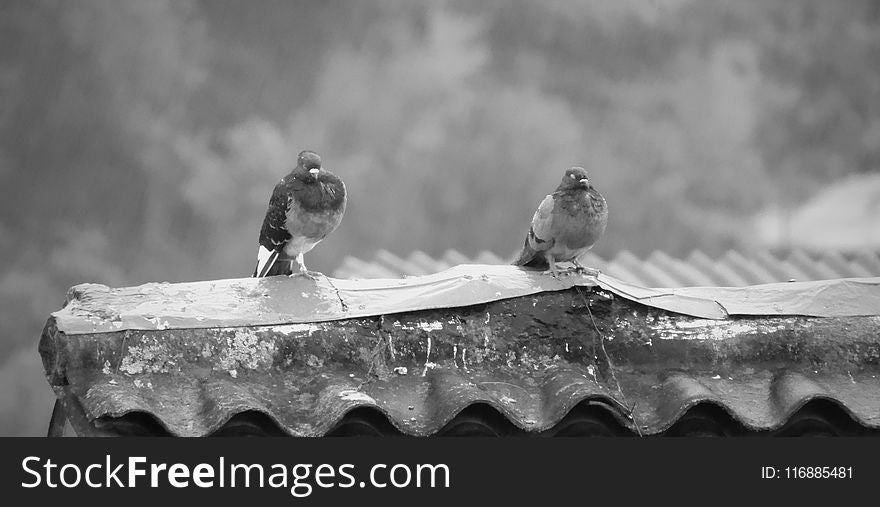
x=314, y=172
x=584, y=181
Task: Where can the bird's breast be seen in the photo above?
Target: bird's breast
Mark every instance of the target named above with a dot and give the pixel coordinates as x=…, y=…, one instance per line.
x=312, y=224
x=320, y=196
x=578, y=222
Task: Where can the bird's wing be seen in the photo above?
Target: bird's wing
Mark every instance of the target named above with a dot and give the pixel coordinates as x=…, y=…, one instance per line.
x=539, y=237
x=274, y=234
x=541, y=234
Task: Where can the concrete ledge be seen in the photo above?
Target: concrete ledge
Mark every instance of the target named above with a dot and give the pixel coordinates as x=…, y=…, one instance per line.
x=533, y=359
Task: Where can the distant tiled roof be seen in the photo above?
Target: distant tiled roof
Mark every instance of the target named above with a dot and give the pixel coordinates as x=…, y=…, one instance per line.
x=733, y=269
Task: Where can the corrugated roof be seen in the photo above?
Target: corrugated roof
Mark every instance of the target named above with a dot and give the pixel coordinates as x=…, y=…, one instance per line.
x=529, y=365
x=732, y=269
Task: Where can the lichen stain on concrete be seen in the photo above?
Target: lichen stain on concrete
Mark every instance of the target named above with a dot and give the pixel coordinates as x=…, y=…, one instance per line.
x=533, y=362
x=147, y=358
x=431, y=326
x=705, y=329
x=288, y=329
x=434, y=325
x=356, y=396
x=140, y=384
x=244, y=349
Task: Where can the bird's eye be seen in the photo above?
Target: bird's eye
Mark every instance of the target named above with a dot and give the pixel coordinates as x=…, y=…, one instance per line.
x=572, y=176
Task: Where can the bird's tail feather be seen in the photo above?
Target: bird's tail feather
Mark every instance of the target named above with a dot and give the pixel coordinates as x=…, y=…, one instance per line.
x=530, y=258
x=281, y=267
x=265, y=261
x=525, y=256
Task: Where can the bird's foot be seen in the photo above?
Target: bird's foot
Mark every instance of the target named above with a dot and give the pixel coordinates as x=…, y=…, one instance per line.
x=552, y=271
x=583, y=270
x=587, y=271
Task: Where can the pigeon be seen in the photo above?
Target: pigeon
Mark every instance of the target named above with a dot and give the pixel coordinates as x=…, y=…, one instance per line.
x=305, y=207
x=567, y=223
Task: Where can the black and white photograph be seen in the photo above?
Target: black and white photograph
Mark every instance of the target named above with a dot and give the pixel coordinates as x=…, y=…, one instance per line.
x=439, y=218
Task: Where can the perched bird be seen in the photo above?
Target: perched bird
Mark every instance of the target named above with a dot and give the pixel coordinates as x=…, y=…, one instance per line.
x=305, y=207
x=567, y=223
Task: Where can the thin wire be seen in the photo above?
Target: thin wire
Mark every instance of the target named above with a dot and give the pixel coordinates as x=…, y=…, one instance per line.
x=338, y=295
x=630, y=414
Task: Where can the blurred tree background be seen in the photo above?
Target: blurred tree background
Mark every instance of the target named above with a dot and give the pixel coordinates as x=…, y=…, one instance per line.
x=140, y=140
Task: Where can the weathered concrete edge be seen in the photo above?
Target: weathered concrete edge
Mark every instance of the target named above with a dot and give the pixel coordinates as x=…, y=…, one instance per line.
x=700, y=338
